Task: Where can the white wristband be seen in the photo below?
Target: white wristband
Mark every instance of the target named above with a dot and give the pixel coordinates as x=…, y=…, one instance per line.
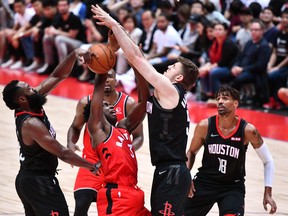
x=268, y=162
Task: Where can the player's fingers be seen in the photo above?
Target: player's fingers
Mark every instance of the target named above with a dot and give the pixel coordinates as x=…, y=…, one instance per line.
x=273, y=207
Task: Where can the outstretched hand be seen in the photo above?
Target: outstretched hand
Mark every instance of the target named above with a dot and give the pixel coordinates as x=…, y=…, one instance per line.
x=105, y=18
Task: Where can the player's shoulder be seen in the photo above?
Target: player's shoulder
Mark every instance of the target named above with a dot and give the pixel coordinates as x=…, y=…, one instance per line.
x=250, y=129
x=203, y=122
x=31, y=121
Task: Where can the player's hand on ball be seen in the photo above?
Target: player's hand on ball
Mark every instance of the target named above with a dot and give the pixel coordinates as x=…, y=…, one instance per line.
x=85, y=56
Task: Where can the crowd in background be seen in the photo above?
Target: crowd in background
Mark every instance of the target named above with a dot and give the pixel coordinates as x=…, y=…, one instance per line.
x=243, y=44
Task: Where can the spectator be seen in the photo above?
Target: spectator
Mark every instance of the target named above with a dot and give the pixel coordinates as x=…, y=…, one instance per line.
x=130, y=25
x=21, y=17
x=164, y=41
x=28, y=32
x=213, y=15
x=37, y=33
x=6, y=15
x=137, y=10
x=222, y=54
x=262, y=3
x=271, y=31
x=256, y=9
x=78, y=8
x=149, y=24
x=251, y=65
x=148, y=19
x=278, y=63
x=277, y=6
x=189, y=34
x=243, y=35
x=233, y=16
x=183, y=14
x=66, y=34
x=166, y=7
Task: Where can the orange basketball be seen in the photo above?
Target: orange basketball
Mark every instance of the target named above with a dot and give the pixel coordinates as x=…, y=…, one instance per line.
x=103, y=60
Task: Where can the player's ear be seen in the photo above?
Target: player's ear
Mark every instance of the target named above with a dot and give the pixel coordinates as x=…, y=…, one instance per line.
x=179, y=78
x=21, y=99
x=236, y=103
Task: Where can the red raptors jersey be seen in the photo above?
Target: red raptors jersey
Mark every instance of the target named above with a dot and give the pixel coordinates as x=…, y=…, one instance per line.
x=85, y=179
x=119, y=164
x=120, y=106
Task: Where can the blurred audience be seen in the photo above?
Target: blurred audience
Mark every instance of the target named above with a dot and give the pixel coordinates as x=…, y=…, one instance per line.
x=251, y=65
x=16, y=51
x=278, y=63
x=221, y=54
x=243, y=35
x=271, y=31
x=66, y=34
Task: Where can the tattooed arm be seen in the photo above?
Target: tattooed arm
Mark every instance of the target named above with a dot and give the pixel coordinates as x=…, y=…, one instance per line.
x=253, y=136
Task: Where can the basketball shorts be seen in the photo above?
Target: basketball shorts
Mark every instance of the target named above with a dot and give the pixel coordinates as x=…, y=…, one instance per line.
x=41, y=195
x=85, y=179
x=121, y=200
x=230, y=199
x=170, y=188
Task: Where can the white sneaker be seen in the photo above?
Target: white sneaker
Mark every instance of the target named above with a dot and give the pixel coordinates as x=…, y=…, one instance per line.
x=32, y=67
x=42, y=69
x=8, y=63
x=18, y=64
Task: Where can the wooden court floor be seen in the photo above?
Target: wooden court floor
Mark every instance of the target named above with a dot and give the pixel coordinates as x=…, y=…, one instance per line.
x=61, y=112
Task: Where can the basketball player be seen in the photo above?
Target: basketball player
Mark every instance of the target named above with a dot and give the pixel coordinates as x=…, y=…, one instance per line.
x=112, y=144
x=36, y=184
x=87, y=184
x=168, y=121
x=221, y=177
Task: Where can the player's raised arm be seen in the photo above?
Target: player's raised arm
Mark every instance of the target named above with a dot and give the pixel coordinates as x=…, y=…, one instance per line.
x=96, y=118
x=60, y=73
x=137, y=114
x=161, y=83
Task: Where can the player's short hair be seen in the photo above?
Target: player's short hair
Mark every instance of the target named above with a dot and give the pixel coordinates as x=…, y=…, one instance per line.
x=10, y=93
x=190, y=72
x=227, y=90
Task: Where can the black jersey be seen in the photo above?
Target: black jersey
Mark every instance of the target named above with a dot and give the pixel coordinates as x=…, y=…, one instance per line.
x=34, y=158
x=224, y=156
x=168, y=129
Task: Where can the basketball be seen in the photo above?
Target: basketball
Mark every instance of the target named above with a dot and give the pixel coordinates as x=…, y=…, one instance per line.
x=103, y=60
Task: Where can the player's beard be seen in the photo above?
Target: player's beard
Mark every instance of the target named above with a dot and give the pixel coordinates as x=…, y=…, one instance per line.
x=36, y=101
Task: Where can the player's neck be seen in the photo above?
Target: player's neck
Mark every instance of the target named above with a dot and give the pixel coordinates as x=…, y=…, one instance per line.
x=227, y=121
